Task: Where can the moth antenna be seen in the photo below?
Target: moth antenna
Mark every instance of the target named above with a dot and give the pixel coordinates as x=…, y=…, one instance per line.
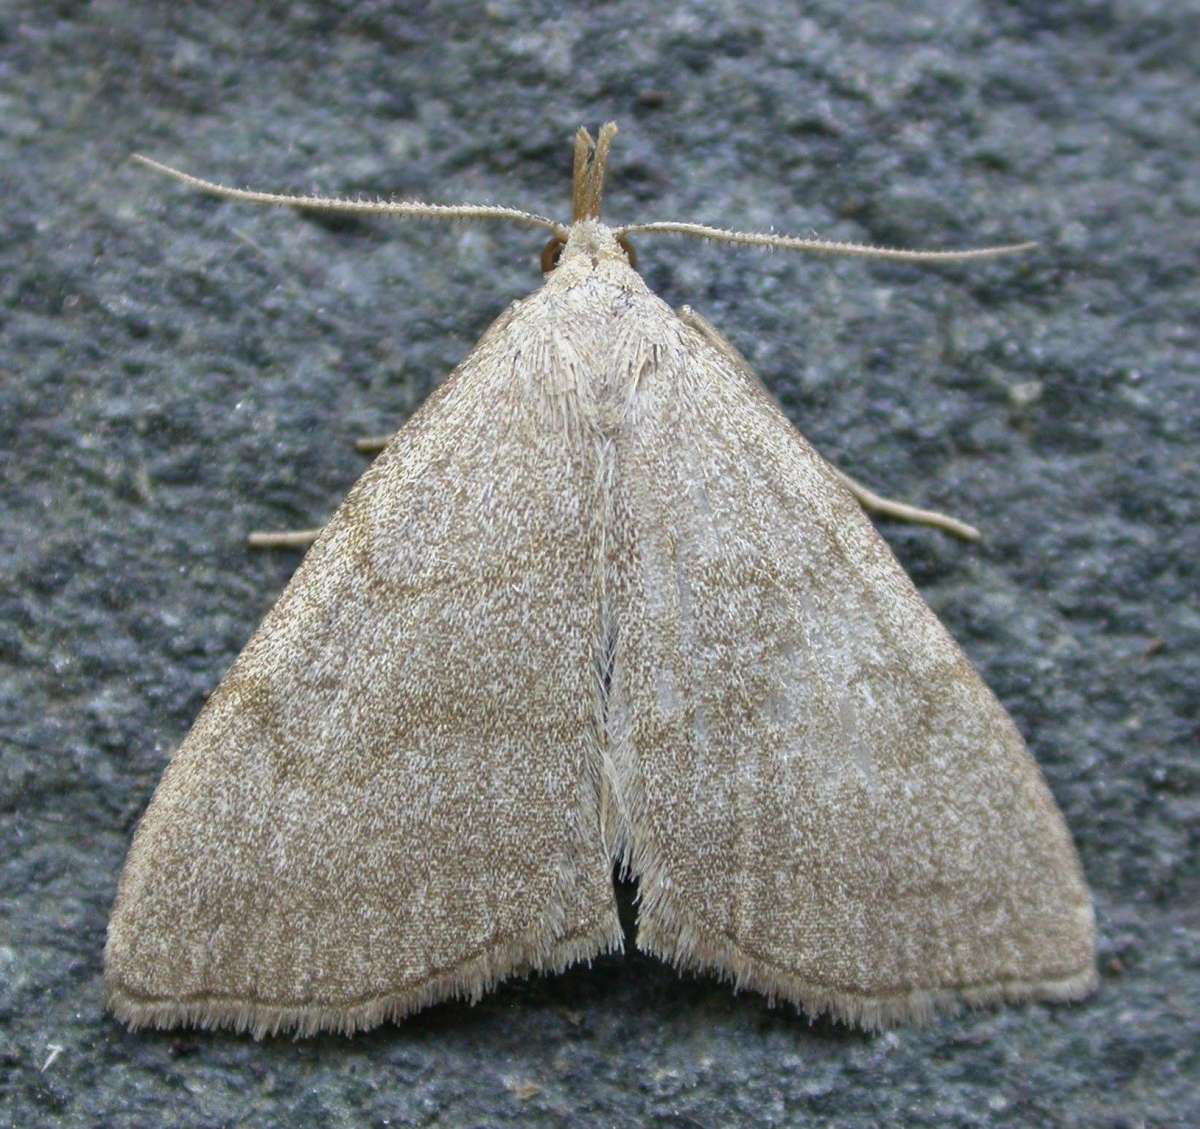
x=823, y=246
x=591, y=163
x=413, y=208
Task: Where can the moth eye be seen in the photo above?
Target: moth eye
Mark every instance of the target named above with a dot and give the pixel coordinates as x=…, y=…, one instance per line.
x=630, y=253
x=551, y=253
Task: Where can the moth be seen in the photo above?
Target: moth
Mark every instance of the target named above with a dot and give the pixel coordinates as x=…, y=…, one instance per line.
x=596, y=603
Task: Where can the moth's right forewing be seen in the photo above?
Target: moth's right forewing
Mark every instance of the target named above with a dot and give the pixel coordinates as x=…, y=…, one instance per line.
x=393, y=796
x=824, y=801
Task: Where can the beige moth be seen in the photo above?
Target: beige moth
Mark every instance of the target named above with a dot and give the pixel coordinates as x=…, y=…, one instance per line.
x=597, y=603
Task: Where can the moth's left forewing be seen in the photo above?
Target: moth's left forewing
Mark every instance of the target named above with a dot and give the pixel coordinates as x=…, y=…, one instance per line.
x=822, y=799
x=393, y=797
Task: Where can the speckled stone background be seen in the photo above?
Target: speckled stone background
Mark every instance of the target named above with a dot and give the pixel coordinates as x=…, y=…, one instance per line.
x=176, y=371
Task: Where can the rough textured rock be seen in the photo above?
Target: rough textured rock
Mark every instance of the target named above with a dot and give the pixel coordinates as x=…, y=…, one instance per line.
x=175, y=372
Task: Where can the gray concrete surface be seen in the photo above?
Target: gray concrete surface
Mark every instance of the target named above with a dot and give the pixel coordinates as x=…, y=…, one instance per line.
x=176, y=371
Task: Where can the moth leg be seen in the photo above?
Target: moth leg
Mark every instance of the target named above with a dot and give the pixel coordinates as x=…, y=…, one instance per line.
x=283, y=539
x=870, y=501
x=876, y=504
x=302, y=538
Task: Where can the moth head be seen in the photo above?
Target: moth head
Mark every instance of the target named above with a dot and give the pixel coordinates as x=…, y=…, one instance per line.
x=587, y=235
x=590, y=238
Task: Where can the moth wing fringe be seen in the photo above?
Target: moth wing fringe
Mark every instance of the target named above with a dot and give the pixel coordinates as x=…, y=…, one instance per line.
x=469, y=982
x=668, y=935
